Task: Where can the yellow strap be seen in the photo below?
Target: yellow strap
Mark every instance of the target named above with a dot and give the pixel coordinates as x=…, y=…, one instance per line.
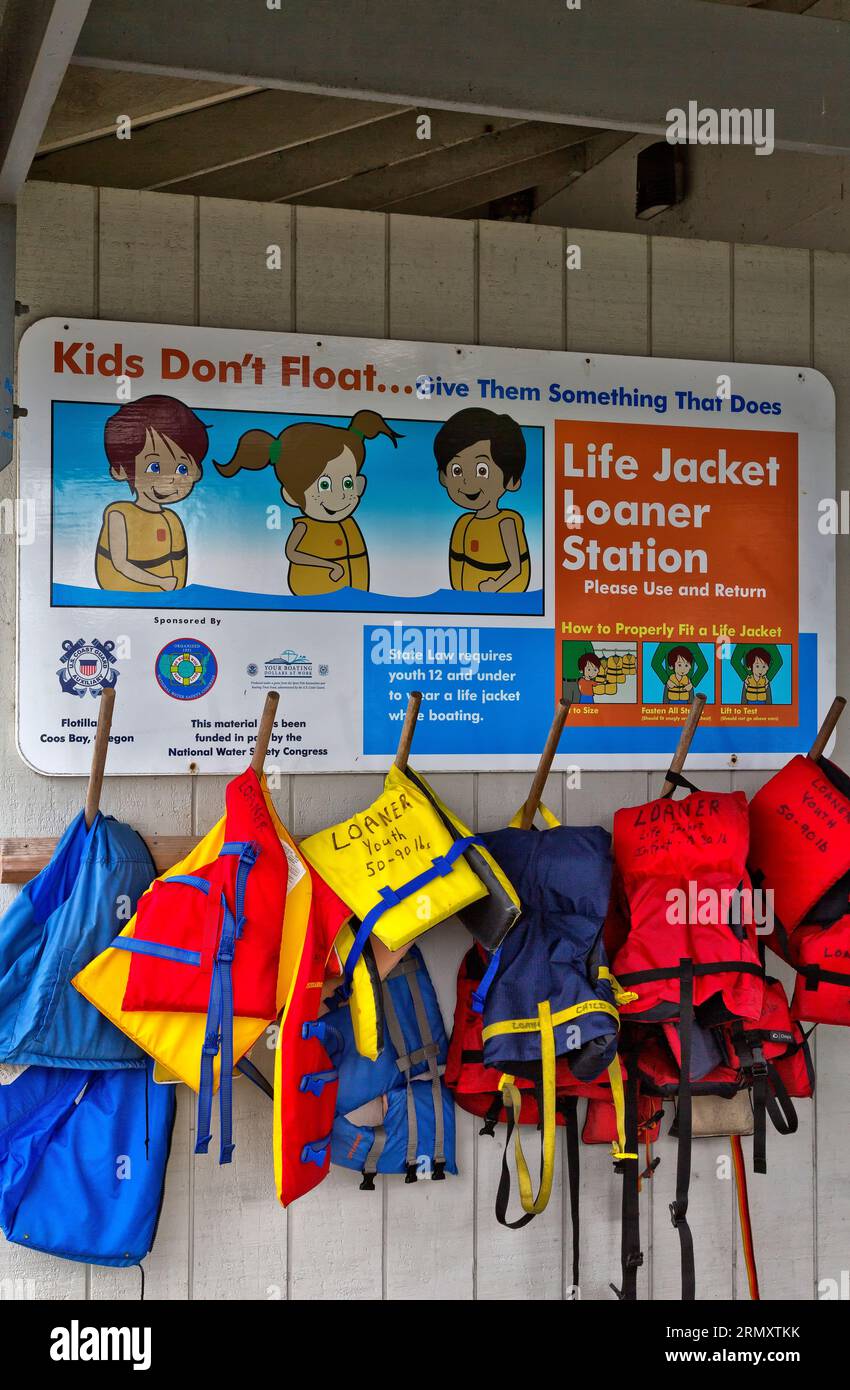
x=531, y=1204
x=550, y=819
x=615, y=1076
x=533, y=1025
x=622, y=996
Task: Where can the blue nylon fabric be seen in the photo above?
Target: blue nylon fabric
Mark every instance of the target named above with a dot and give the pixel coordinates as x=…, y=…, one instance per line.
x=391, y=897
x=361, y=1080
x=77, y=1177
x=563, y=877
x=59, y=922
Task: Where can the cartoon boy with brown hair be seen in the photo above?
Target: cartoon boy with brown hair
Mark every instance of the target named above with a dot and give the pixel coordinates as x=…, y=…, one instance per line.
x=481, y=457
x=756, y=688
x=679, y=688
x=318, y=468
x=589, y=666
x=156, y=446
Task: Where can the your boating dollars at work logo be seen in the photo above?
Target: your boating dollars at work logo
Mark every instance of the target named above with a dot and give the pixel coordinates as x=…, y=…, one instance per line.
x=87, y=666
x=291, y=666
x=186, y=669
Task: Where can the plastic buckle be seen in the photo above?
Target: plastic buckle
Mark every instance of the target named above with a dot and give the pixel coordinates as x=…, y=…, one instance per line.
x=677, y=1216
x=410, y=1173
x=224, y=955
x=315, y=1153
x=211, y=1045
x=313, y=1029
x=368, y=1183
x=634, y=1260
x=438, y=1172
x=757, y=1068
x=488, y=1128
x=316, y=1081
x=650, y=1168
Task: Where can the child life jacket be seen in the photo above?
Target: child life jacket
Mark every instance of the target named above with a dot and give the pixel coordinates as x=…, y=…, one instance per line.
x=477, y=1089
x=690, y=963
x=405, y=864
x=800, y=851
x=82, y=1161
x=213, y=953
x=548, y=993
x=403, y=1092
x=59, y=920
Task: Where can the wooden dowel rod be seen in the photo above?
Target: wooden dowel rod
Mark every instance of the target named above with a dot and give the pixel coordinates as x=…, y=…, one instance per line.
x=824, y=733
x=689, y=728
x=550, y=748
x=101, y=748
x=414, y=700
x=264, y=732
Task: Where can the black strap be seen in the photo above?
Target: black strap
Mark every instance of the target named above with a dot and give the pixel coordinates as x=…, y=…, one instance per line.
x=679, y=1208
x=780, y=1107
x=568, y=1106
x=473, y=560
x=247, y=1068
x=718, y=967
x=815, y=974
x=631, y=1255
x=491, y=1119
x=677, y=780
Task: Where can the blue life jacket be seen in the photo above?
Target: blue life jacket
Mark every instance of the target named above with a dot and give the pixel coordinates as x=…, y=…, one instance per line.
x=417, y=1134
x=82, y=1161
x=554, y=953
x=58, y=922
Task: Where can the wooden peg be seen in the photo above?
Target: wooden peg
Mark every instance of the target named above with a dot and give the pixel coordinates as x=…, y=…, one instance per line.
x=101, y=748
x=264, y=732
x=685, y=739
x=824, y=733
x=414, y=700
x=550, y=748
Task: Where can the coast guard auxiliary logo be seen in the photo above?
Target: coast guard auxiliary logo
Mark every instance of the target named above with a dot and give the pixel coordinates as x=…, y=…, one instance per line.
x=87, y=666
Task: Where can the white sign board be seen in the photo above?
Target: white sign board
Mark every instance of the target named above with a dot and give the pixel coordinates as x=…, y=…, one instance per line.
x=217, y=513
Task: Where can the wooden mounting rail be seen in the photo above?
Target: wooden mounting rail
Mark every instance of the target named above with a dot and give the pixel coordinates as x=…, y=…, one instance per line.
x=689, y=728
x=825, y=731
x=550, y=748
x=264, y=732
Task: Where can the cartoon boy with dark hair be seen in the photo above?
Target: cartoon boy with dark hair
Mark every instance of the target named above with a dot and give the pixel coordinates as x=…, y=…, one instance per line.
x=756, y=688
x=481, y=456
x=679, y=689
x=156, y=446
x=589, y=666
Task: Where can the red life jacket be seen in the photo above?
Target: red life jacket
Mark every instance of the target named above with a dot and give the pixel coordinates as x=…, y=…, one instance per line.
x=675, y=941
x=187, y=916
x=682, y=866
x=306, y=1078
x=800, y=850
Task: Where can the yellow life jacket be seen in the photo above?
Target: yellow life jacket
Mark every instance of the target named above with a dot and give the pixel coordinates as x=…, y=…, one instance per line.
x=679, y=690
x=477, y=552
x=341, y=541
x=156, y=542
x=403, y=865
x=755, y=690
x=176, y=1039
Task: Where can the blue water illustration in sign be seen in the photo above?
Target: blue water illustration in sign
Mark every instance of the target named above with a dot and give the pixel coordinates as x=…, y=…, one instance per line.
x=218, y=509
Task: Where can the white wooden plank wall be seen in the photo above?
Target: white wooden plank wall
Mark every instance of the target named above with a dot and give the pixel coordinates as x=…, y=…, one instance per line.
x=150, y=256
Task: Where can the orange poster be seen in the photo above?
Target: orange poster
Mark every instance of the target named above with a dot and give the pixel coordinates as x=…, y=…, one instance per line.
x=676, y=559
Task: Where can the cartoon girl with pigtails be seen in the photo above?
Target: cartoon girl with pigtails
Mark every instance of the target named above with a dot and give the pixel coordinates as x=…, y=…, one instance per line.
x=318, y=468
